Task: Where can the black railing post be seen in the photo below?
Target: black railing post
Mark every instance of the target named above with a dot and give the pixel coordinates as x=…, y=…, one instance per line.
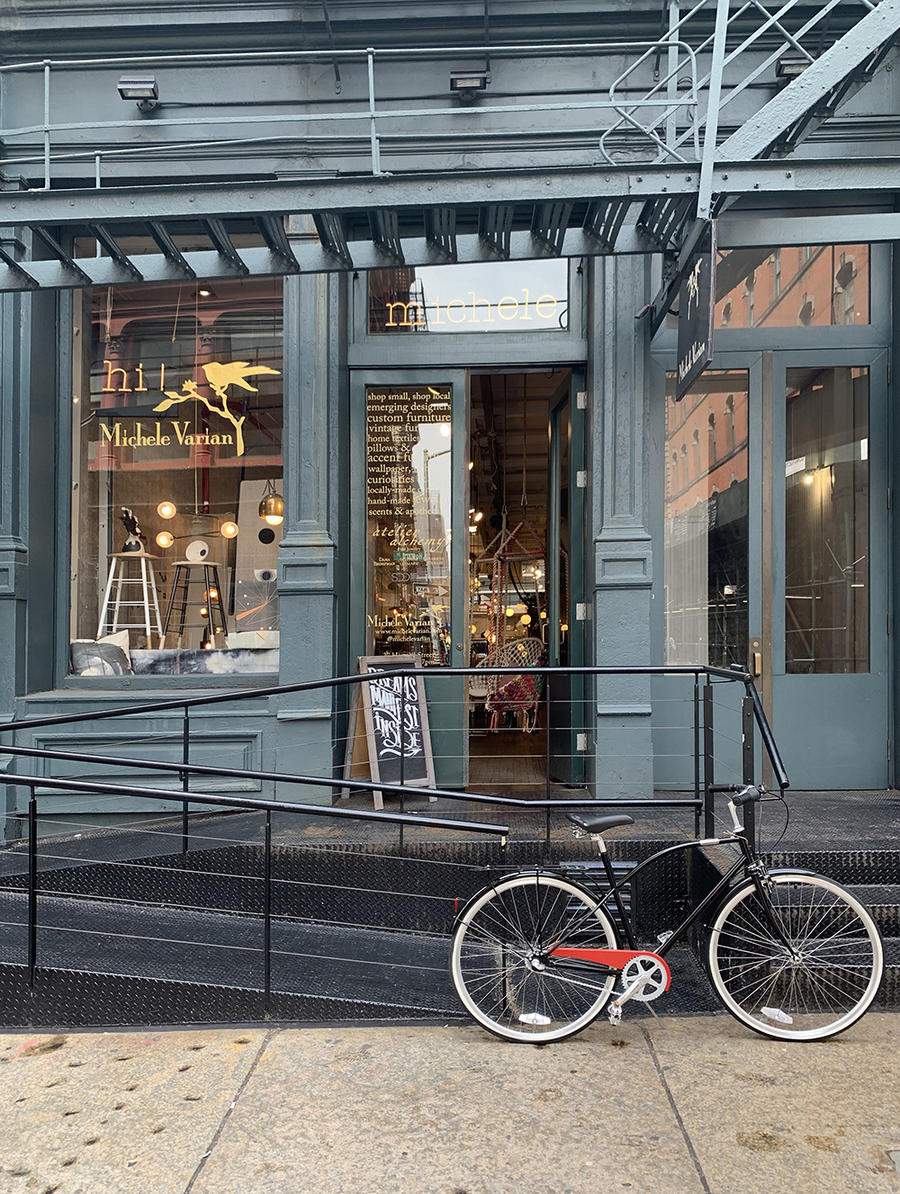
x=32, y=886
x=709, y=828
x=546, y=751
x=747, y=766
x=185, y=775
x=697, y=753
x=402, y=752
x=267, y=915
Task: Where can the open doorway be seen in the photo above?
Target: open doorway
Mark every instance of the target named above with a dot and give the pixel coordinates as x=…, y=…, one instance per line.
x=519, y=569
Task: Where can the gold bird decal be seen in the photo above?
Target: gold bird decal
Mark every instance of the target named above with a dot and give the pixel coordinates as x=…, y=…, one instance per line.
x=235, y=373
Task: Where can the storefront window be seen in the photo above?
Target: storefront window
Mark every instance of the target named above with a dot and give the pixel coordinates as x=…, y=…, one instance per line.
x=408, y=495
x=796, y=286
x=503, y=296
x=826, y=548
x=178, y=480
x=706, y=542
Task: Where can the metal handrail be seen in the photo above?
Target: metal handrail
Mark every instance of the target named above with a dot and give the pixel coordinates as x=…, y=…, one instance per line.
x=185, y=704
x=245, y=803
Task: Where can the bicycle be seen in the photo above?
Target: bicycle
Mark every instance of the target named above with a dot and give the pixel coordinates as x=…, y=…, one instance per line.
x=791, y=954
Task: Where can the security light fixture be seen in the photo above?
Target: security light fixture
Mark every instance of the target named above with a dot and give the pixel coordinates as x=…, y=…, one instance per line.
x=144, y=89
x=467, y=85
x=789, y=66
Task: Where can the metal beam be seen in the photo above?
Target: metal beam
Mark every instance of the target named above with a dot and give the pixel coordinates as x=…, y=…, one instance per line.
x=169, y=249
x=748, y=232
x=495, y=227
x=218, y=234
x=460, y=190
x=79, y=277
x=384, y=223
x=440, y=230
x=271, y=229
x=310, y=256
x=549, y=224
x=107, y=240
x=851, y=53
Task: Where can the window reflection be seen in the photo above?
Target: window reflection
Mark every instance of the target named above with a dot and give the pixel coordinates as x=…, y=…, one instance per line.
x=706, y=502
x=802, y=286
x=507, y=296
x=827, y=520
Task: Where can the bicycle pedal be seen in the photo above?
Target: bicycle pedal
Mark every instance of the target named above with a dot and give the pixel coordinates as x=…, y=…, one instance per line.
x=615, y=1014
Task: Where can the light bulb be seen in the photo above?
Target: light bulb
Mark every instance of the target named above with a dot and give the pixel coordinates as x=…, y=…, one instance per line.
x=543, y=614
x=444, y=429
x=564, y=626
x=165, y=539
x=808, y=478
x=510, y=610
x=229, y=529
x=166, y=509
x=478, y=516
x=525, y=620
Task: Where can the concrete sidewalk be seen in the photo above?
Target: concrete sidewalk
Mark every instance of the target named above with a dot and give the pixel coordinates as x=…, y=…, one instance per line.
x=693, y=1105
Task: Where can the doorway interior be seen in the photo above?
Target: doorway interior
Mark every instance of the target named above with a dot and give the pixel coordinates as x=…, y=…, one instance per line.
x=519, y=568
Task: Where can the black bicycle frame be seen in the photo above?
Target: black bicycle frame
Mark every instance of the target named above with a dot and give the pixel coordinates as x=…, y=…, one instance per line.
x=615, y=893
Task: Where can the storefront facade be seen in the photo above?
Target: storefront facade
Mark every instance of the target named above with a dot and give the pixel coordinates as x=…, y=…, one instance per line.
x=256, y=463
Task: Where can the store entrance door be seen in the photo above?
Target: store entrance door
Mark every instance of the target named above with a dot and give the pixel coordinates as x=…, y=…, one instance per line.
x=776, y=550
x=524, y=550
x=408, y=566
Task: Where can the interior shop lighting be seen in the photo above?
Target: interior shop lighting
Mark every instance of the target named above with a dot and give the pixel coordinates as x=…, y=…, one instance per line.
x=271, y=508
x=143, y=89
x=229, y=529
x=467, y=85
x=166, y=509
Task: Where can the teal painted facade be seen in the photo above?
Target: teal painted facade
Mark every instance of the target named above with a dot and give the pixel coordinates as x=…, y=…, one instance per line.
x=330, y=356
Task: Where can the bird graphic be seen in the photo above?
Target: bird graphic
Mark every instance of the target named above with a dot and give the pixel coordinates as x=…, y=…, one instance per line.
x=219, y=378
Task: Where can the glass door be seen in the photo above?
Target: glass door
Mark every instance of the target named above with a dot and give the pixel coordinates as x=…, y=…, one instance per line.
x=830, y=691
x=776, y=551
x=408, y=497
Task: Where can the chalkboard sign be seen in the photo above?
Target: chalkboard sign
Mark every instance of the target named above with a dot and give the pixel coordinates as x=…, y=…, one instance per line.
x=389, y=735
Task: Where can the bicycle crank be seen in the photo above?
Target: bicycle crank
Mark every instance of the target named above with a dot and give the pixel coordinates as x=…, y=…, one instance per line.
x=648, y=974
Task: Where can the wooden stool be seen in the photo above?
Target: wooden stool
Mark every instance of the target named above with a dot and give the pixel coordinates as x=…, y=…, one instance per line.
x=184, y=579
x=118, y=577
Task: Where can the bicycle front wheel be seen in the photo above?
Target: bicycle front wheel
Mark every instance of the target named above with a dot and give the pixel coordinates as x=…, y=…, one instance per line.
x=810, y=980
x=503, y=966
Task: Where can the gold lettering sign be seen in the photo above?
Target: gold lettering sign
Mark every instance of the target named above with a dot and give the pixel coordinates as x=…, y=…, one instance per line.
x=520, y=308
x=219, y=378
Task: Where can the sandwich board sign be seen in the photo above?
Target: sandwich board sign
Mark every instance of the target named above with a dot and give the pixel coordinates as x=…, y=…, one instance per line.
x=388, y=737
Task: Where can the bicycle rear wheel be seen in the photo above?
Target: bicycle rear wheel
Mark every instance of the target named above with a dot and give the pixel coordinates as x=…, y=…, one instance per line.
x=503, y=969
x=816, y=982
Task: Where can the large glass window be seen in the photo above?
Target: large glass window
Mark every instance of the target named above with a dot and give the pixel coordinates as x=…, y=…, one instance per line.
x=502, y=296
x=706, y=505
x=793, y=286
x=826, y=520
x=178, y=479
x=408, y=494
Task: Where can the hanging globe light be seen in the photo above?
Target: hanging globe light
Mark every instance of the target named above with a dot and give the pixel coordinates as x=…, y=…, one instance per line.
x=271, y=508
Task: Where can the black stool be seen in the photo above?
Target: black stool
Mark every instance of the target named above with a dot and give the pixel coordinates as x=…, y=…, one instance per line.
x=212, y=597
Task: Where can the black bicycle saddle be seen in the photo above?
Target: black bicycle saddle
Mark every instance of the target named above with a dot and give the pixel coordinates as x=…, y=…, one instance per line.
x=592, y=824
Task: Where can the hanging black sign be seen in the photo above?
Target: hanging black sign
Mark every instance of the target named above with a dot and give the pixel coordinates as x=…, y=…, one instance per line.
x=696, y=304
